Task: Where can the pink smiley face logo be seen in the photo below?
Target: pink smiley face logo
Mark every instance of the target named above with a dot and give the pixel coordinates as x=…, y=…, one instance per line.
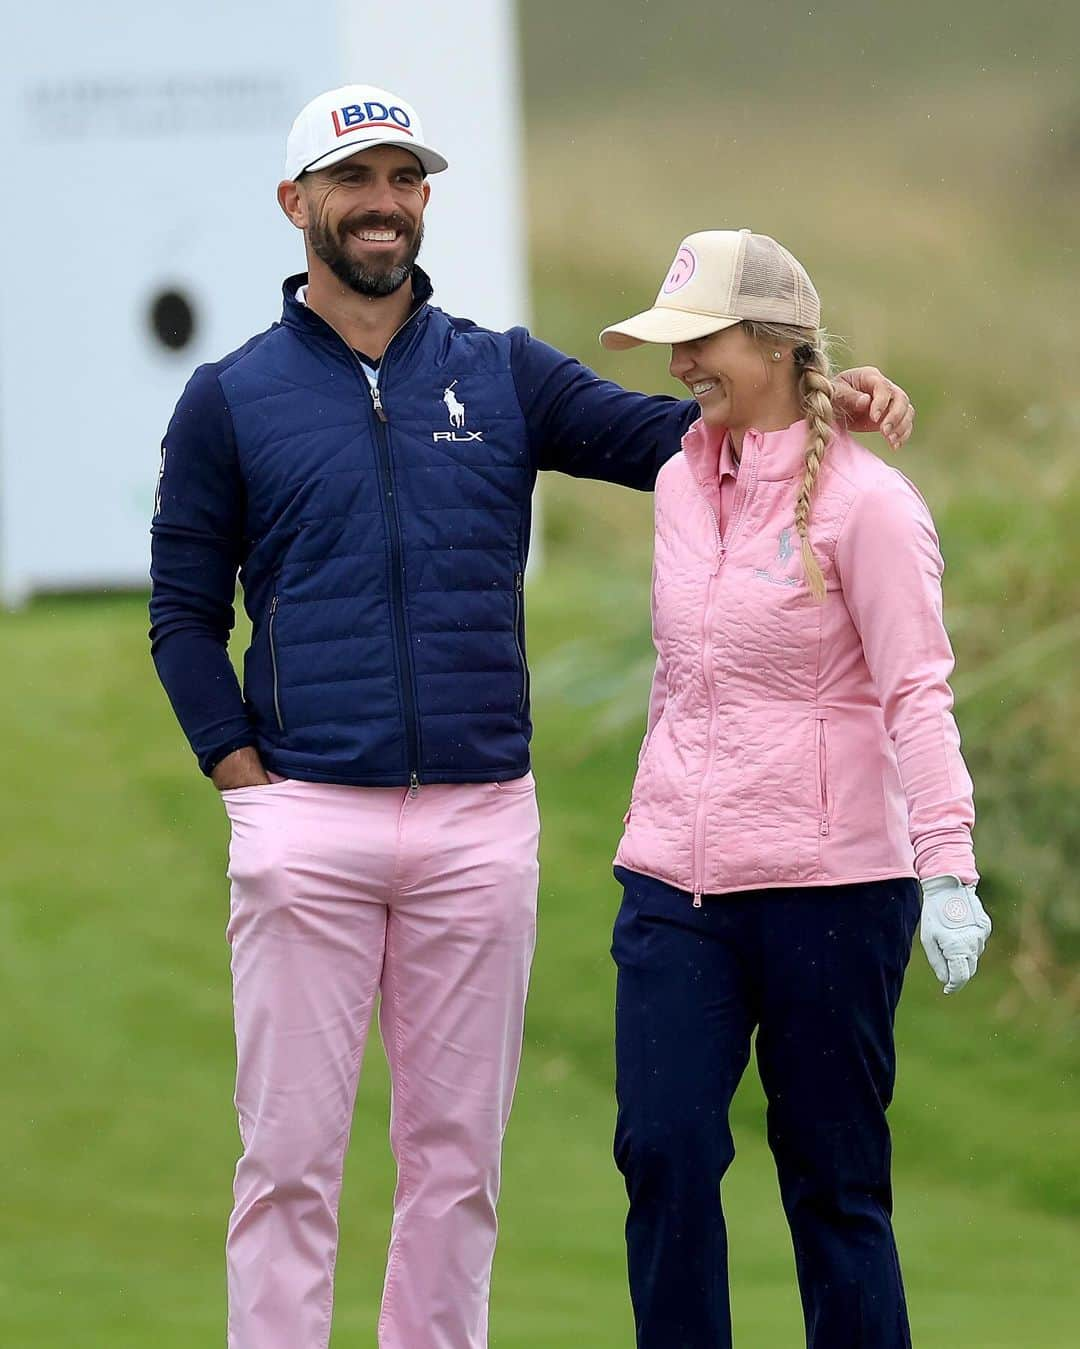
x=682, y=270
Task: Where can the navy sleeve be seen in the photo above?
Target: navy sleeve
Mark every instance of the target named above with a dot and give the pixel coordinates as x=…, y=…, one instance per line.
x=197, y=544
x=591, y=427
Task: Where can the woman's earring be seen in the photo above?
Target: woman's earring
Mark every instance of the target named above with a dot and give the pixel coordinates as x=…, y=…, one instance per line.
x=777, y=355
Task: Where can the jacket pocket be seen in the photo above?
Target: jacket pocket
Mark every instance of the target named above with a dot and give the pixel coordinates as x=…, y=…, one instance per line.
x=274, y=664
x=519, y=604
x=823, y=773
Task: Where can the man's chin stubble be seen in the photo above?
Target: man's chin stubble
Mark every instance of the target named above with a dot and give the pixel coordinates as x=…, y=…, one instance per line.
x=363, y=280
x=373, y=285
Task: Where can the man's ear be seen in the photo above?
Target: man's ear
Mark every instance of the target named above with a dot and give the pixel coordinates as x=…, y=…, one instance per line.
x=291, y=200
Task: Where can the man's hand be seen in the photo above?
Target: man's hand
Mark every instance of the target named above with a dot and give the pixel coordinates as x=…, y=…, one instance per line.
x=955, y=927
x=869, y=402
x=241, y=768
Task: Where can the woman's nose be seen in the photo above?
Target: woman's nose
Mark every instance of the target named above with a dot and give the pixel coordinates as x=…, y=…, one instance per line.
x=681, y=360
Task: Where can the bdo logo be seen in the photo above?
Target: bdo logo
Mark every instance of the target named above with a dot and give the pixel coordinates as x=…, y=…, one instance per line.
x=358, y=115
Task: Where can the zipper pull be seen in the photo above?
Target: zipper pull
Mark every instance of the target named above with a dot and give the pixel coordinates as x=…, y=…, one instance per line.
x=414, y=786
x=273, y=606
x=697, y=899
x=376, y=398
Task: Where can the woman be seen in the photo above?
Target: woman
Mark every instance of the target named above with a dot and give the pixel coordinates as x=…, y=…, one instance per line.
x=800, y=770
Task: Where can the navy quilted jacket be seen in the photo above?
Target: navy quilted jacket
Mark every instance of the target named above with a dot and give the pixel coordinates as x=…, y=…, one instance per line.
x=380, y=537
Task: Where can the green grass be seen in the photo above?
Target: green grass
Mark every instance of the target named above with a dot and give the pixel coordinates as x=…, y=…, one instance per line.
x=584, y=55
x=925, y=163
x=118, y=1135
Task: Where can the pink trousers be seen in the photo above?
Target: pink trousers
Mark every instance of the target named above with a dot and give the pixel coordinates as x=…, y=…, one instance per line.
x=339, y=894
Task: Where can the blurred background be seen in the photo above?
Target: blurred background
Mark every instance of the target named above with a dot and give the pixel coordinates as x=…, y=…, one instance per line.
x=923, y=161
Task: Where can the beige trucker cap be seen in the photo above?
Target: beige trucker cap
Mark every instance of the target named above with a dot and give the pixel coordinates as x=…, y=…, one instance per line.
x=718, y=278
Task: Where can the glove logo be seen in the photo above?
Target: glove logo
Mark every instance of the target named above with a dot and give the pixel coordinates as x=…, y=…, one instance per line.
x=957, y=910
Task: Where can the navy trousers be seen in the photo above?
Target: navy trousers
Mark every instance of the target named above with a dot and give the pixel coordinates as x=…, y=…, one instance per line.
x=818, y=973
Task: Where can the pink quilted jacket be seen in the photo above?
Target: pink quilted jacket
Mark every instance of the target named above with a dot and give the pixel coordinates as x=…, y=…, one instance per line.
x=792, y=742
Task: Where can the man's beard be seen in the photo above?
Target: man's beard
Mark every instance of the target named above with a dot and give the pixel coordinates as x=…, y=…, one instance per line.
x=373, y=282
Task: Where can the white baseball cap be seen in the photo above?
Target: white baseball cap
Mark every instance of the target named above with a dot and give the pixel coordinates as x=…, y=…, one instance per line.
x=719, y=278
x=356, y=117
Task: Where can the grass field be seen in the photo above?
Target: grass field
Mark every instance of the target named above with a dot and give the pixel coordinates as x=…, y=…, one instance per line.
x=924, y=161
x=118, y=1135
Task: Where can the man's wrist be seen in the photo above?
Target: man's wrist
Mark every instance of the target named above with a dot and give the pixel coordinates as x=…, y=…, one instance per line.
x=241, y=768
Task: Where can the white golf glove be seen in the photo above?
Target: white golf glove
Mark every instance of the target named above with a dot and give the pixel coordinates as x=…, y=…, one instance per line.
x=954, y=929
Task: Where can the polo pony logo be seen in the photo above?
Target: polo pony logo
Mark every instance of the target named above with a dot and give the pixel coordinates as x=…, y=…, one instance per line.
x=455, y=410
x=453, y=407
x=785, y=551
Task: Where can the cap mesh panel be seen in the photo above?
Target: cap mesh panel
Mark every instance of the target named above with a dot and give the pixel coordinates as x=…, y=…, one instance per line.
x=774, y=287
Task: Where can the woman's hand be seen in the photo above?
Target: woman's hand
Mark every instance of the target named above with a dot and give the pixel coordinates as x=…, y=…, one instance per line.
x=869, y=402
x=954, y=930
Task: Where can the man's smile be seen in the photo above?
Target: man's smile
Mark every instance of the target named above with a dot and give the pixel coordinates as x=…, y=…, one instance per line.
x=376, y=236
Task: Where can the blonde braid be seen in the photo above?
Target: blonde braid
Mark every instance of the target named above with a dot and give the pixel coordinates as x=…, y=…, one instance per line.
x=815, y=392
x=810, y=352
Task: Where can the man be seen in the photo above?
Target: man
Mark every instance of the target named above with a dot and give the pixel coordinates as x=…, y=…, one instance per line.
x=367, y=464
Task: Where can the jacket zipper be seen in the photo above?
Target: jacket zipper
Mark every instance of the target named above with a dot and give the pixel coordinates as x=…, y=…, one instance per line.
x=710, y=746
x=273, y=664
x=519, y=583
x=382, y=421
x=823, y=774
x=722, y=549
x=397, y=565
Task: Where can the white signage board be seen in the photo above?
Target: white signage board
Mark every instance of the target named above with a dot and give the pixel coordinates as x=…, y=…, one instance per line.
x=146, y=143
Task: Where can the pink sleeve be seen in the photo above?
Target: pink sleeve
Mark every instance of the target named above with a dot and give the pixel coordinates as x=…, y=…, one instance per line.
x=890, y=567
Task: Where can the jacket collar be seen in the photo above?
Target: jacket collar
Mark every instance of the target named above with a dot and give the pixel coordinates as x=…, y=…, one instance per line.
x=296, y=314
x=775, y=455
